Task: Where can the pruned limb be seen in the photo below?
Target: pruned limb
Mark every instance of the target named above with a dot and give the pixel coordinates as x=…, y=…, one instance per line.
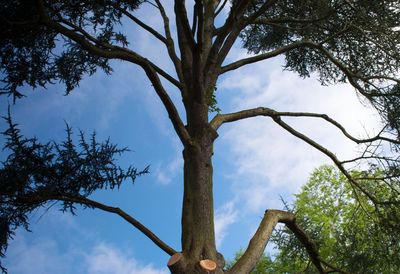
x=208, y=265
x=262, y=111
x=260, y=239
x=177, y=263
x=116, y=210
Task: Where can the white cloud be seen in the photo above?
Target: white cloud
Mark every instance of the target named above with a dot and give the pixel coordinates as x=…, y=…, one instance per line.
x=42, y=256
x=48, y=257
x=224, y=217
x=105, y=259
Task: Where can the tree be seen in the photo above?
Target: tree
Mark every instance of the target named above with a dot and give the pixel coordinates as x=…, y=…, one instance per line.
x=340, y=40
x=347, y=231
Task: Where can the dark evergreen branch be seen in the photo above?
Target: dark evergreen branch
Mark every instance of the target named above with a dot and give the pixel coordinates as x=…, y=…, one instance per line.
x=110, y=52
x=34, y=173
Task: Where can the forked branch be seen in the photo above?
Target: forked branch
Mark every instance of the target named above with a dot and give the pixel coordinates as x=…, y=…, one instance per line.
x=260, y=239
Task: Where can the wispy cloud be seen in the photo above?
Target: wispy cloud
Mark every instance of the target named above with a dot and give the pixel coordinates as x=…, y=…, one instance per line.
x=166, y=173
x=48, y=257
x=105, y=259
x=224, y=217
x=44, y=257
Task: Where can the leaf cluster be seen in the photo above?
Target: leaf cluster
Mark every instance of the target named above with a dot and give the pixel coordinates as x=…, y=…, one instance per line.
x=34, y=174
x=35, y=55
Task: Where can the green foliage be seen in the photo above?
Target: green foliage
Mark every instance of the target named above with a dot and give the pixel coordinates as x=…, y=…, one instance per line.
x=264, y=265
x=349, y=230
x=212, y=101
x=34, y=174
x=351, y=234
x=32, y=54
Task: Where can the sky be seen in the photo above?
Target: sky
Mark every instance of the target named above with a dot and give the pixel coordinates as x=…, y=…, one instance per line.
x=255, y=161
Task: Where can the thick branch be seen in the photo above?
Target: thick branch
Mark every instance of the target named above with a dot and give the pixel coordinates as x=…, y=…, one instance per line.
x=221, y=7
x=121, y=213
x=260, y=239
x=182, y=21
x=168, y=104
x=185, y=40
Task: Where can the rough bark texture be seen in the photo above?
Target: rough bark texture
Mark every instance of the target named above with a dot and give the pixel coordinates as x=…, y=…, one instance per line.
x=198, y=239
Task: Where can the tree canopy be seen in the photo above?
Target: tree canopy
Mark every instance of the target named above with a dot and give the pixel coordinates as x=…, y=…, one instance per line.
x=356, y=42
x=349, y=233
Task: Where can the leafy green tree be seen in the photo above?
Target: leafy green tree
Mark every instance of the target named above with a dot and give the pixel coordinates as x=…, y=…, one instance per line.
x=347, y=228
x=347, y=231
x=42, y=42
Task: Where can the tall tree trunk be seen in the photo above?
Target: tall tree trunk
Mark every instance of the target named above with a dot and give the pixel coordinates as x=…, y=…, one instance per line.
x=198, y=238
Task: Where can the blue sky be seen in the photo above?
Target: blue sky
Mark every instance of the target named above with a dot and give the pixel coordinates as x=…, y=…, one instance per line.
x=255, y=161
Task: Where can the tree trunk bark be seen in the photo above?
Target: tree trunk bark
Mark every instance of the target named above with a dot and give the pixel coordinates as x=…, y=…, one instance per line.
x=198, y=239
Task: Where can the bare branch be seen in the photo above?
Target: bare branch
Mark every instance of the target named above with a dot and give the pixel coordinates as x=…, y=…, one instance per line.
x=94, y=204
x=276, y=116
x=328, y=153
x=262, y=111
